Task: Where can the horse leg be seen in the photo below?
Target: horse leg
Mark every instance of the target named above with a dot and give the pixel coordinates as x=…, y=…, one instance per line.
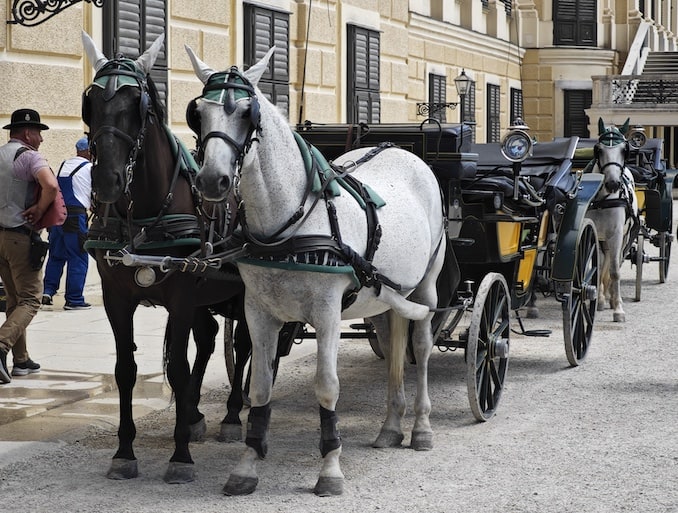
x=331, y=479
x=180, y=468
x=263, y=330
x=205, y=329
x=231, y=426
x=120, y=315
x=391, y=434
x=604, y=289
x=422, y=433
x=615, y=276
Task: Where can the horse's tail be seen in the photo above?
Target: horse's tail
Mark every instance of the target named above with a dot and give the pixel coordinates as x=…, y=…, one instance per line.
x=398, y=327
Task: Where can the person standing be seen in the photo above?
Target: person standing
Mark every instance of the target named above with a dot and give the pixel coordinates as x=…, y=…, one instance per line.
x=66, y=242
x=22, y=167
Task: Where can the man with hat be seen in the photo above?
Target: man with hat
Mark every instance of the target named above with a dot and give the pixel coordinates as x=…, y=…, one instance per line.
x=21, y=169
x=66, y=242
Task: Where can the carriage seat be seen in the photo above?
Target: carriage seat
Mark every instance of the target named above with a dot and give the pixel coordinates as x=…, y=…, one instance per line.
x=547, y=171
x=644, y=175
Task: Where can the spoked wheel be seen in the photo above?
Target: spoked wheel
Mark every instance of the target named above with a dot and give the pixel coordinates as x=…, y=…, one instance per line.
x=487, y=349
x=640, y=250
x=665, y=239
x=579, y=308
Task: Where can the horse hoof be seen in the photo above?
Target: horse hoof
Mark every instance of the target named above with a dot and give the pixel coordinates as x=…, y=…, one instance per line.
x=329, y=486
x=388, y=438
x=601, y=306
x=179, y=473
x=240, y=485
x=198, y=430
x=123, y=469
x=422, y=440
x=532, y=312
x=230, y=433
x=619, y=317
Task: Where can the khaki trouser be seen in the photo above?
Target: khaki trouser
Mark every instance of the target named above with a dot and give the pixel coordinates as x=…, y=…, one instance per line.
x=23, y=288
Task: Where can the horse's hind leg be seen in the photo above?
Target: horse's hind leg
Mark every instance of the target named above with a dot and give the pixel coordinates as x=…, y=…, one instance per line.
x=391, y=434
x=205, y=329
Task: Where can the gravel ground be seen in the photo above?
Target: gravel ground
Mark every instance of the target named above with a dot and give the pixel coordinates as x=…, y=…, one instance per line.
x=597, y=438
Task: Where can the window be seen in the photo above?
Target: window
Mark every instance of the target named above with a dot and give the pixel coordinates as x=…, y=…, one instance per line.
x=493, y=111
x=468, y=109
x=130, y=27
x=576, y=120
x=574, y=22
x=265, y=28
x=508, y=6
x=516, y=105
x=436, y=97
x=363, y=103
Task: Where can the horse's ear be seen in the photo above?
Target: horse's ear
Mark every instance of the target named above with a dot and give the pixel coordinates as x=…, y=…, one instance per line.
x=147, y=59
x=202, y=70
x=95, y=56
x=601, y=126
x=625, y=127
x=254, y=73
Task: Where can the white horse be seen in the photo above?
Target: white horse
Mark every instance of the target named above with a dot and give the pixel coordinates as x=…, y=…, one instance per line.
x=288, y=213
x=614, y=211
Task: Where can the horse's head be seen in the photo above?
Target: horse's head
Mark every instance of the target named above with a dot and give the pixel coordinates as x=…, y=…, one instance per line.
x=226, y=120
x=117, y=107
x=610, y=153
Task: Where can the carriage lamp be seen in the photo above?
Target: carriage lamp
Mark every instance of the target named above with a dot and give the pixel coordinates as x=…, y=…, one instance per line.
x=637, y=137
x=516, y=145
x=463, y=85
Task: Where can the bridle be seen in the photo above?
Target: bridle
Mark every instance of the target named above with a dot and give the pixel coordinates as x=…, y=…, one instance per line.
x=121, y=67
x=225, y=88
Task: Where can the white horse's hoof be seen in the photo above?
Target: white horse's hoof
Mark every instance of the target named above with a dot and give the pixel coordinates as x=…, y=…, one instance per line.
x=422, y=440
x=329, y=486
x=388, y=438
x=230, y=433
x=601, y=305
x=240, y=485
x=123, y=469
x=198, y=430
x=619, y=317
x=179, y=473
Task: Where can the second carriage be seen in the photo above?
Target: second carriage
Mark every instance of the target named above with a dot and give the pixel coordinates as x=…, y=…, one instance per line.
x=516, y=225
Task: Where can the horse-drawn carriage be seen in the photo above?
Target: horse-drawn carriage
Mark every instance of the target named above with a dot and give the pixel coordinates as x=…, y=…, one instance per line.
x=514, y=227
x=490, y=223
x=653, y=184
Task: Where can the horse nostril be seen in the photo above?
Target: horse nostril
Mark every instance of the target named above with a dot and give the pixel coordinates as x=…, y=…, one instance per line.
x=612, y=186
x=225, y=183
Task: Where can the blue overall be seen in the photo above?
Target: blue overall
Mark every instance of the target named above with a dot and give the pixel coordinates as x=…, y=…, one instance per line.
x=66, y=247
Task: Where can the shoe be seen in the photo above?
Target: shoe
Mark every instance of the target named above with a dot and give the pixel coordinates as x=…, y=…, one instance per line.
x=25, y=368
x=47, y=300
x=73, y=306
x=4, y=373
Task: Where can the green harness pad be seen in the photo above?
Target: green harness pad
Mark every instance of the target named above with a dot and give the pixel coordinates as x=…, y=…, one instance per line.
x=311, y=155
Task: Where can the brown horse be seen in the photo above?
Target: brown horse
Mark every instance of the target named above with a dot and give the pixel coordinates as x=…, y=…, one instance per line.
x=146, y=207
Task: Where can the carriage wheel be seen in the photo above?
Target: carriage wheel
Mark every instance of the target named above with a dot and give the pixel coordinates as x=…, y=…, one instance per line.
x=664, y=255
x=640, y=251
x=487, y=348
x=579, y=308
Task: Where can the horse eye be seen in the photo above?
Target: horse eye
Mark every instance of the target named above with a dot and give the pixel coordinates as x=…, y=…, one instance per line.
x=247, y=113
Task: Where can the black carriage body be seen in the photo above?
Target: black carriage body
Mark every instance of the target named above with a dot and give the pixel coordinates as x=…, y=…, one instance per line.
x=512, y=212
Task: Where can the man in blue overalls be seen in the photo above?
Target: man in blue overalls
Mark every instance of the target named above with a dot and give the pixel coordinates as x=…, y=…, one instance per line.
x=66, y=242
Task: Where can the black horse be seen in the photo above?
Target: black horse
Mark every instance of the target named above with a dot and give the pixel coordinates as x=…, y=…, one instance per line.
x=145, y=208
